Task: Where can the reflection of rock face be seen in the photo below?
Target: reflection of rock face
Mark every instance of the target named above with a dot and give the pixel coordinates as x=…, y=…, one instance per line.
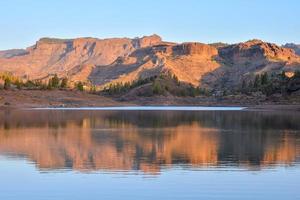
x=286, y=151
x=147, y=141
x=81, y=148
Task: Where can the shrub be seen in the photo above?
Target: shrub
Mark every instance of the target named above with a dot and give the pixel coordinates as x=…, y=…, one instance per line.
x=19, y=84
x=7, y=83
x=29, y=84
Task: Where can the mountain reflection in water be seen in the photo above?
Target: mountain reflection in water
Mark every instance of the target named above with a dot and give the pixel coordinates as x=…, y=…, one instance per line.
x=148, y=141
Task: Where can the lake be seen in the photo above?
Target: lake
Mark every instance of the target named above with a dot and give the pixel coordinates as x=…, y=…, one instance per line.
x=144, y=153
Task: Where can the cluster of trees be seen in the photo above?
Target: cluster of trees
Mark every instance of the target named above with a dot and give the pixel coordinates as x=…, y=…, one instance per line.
x=272, y=83
x=163, y=84
x=10, y=81
x=54, y=82
x=121, y=88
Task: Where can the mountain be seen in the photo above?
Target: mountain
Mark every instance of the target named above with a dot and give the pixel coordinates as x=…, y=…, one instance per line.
x=295, y=47
x=69, y=57
x=105, y=61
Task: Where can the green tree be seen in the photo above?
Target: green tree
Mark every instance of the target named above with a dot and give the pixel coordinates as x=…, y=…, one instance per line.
x=256, y=83
x=64, y=83
x=264, y=79
x=19, y=84
x=80, y=86
x=55, y=81
x=29, y=84
x=244, y=86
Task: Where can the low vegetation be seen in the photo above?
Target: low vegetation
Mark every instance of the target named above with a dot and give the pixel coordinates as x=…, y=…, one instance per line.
x=165, y=84
x=270, y=84
x=12, y=82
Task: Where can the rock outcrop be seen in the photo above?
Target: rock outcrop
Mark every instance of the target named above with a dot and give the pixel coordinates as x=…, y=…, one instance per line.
x=255, y=50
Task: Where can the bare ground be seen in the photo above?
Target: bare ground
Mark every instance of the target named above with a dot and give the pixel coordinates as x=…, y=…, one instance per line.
x=62, y=98
x=53, y=98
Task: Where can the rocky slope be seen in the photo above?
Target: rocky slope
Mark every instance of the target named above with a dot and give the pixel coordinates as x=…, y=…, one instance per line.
x=188, y=61
x=102, y=62
x=244, y=60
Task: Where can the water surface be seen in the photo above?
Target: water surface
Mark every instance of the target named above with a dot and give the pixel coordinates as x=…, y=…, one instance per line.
x=149, y=154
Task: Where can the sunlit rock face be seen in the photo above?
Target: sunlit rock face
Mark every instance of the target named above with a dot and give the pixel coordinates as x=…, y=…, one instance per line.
x=148, y=142
x=65, y=56
x=256, y=50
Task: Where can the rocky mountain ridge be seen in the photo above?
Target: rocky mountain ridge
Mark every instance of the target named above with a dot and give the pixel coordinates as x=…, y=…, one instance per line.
x=105, y=61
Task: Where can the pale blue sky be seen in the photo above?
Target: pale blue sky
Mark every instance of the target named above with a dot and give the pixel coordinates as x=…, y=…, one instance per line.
x=24, y=21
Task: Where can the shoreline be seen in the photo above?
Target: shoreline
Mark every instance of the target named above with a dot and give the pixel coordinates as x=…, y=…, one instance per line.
x=21, y=99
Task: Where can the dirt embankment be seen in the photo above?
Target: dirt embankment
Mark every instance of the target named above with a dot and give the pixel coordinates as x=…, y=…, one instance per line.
x=61, y=98
x=53, y=98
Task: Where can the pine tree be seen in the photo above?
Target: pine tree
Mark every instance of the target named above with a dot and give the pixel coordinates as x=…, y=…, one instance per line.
x=264, y=79
x=256, y=83
x=55, y=81
x=244, y=86
x=64, y=83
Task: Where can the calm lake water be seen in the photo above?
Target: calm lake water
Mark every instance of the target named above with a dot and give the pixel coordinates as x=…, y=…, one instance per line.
x=158, y=154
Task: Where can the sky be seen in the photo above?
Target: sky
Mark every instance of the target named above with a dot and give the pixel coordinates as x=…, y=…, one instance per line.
x=23, y=22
